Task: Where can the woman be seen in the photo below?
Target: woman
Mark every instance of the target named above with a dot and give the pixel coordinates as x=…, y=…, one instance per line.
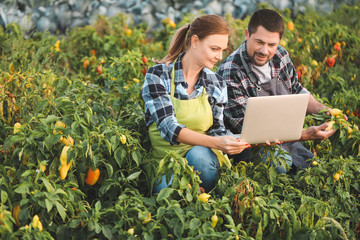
x=184, y=100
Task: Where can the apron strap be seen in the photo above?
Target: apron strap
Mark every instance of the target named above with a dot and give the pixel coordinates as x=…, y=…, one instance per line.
x=172, y=84
x=250, y=74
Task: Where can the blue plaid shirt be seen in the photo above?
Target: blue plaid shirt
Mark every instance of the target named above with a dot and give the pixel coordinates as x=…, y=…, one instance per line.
x=159, y=108
x=240, y=86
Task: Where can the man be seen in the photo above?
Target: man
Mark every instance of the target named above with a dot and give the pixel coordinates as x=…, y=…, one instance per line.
x=261, y=67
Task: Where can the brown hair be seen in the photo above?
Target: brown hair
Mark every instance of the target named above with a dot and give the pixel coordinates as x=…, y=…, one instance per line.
x=202, y=27
x=269, y=19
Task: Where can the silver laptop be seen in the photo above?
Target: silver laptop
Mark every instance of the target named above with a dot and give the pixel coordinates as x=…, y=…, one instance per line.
x=273, y=118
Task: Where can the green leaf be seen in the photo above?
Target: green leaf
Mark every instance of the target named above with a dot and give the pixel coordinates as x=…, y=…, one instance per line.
x=27, y=173
x=61, y=191
x=48, y=186
x=180, y=213
x=107, y=232
x=70, y=155
x=23, y=188
x=77, y=117
x=106, y=186
x=160, y=211
x=97, y=228
x=51, y=139
x=49, y=119
x=109, y=169
x=87, y=115
x=184, y=182
x=164, y=194
x=4, y=197
x=195, y=223
x=108, y=145
x=74, y=223
x=14, y=139
x=207, y=228
x=97, y=206
x=148, y=236
x=48, y=204
x=119, y=156
x=259, y=232
x=272, y=214
x=343, y=215
x=272, y=174
x=189, y=196
x=37, y=133
x=179, y=229
x=137, y=157
x=41, y=104
x=265, y=219
x=230, y=220
x=114, y=140
x=85, y=146
x=107, y=47
x=61, y=210
x=133, y=176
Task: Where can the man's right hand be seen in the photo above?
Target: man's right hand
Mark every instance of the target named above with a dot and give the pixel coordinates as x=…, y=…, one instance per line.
x=317, y=133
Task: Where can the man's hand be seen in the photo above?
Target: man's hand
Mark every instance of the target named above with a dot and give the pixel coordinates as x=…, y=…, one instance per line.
x=337, y=112
x=317, y=133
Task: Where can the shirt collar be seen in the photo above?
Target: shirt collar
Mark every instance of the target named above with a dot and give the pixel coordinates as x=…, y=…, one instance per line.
x=179, y=74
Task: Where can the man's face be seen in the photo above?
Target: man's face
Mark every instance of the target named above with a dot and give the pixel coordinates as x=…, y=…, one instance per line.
x=261, y=45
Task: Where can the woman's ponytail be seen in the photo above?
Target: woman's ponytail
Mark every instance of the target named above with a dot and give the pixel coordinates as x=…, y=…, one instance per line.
x=177, y=45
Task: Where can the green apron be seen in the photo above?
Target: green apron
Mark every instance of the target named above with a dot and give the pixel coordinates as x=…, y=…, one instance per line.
x=195, y=114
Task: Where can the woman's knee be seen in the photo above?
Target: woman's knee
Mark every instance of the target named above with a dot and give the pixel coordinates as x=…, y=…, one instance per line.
x=201, y=157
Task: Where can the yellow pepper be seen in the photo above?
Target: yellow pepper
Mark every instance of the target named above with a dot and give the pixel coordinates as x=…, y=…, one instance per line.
x=63, y=156
x=335, y=112
x=15, y=214
x=123, y=139
x=64, y=170
x=67, y=141
x=147, y=219
x=204, y=197
x=214, y=220
x=58, y=124
x=42, y=168
x=17, y=127
x=37, y=223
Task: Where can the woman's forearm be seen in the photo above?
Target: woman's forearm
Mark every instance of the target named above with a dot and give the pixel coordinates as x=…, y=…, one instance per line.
x=190, y=137
x=227, y=144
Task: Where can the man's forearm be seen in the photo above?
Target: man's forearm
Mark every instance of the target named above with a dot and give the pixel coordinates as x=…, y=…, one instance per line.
x=314, y=106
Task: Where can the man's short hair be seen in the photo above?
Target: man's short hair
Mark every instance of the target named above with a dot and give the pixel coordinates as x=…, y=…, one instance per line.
x=269, y=19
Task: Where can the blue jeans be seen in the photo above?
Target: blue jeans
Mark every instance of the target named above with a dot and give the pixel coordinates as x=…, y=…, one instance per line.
x=279, y=169
x=204, y=161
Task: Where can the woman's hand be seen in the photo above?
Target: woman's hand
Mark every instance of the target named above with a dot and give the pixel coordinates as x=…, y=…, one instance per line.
x=227, y=144
x=231, y=145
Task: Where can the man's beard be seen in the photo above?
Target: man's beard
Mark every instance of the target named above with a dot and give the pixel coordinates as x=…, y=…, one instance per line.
x=256, y=63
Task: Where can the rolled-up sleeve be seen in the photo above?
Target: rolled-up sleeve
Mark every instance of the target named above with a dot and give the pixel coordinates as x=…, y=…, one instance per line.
x=158, y=105
x=296, y=86
x=219, y=99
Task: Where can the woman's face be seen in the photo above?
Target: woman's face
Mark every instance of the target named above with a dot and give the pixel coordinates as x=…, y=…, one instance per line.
x=209, y=50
